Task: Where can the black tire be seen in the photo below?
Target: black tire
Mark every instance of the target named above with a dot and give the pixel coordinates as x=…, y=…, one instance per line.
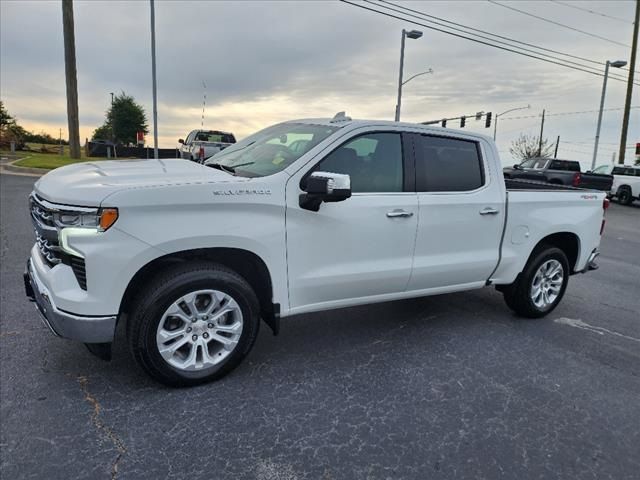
x=153, y=301
x=517, y=295
x=624, y=195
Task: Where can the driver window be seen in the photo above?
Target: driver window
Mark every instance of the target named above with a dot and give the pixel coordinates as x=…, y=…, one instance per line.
x=373, y=161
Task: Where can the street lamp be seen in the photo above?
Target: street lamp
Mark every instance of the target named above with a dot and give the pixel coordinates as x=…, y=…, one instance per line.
x=616, y=64
x=417, y=75
x=413, y=34
x=495, y=121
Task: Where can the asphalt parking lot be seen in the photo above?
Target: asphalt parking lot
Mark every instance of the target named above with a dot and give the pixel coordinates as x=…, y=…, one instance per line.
x=453, y=386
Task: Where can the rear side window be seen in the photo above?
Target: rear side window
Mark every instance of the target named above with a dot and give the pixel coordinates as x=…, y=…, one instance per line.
x=447, y=164
x=618, y=171
x=565, y=165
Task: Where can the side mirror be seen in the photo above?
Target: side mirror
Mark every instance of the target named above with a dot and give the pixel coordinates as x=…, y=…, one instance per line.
x=324, y=187
x=181, y=141
x=516, y=166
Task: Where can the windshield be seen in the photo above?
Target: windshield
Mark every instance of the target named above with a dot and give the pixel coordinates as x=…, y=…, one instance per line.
x=271, y=150
x=602, y=169
x=535, y=163
x=212, y=136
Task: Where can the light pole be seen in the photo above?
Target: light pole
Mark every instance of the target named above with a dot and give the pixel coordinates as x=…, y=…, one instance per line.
x=153, y=77
x=495, y=121
x=616, y=64
x=413, y=34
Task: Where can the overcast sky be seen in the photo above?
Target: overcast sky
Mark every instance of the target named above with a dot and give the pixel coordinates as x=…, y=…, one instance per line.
x=265, y=62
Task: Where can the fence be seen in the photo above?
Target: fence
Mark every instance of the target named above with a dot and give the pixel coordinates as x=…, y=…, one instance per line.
x=102, y=150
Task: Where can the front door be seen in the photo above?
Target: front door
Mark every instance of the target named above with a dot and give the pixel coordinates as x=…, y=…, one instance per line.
x=363, y=246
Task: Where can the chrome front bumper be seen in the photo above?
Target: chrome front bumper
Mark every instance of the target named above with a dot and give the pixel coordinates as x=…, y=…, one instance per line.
x=86, y=329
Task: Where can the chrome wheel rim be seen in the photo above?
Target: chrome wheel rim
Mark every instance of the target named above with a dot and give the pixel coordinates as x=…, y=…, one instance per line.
x=547, y=283
x=199, y=330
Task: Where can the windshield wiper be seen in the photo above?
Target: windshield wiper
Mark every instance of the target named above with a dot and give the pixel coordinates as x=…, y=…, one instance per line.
x=224, y=168
x=241, y=165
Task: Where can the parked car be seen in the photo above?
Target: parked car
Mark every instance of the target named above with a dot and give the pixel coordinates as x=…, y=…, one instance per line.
x=304, y=216
x=201, y=144
x=626, y=182
x=558, y=172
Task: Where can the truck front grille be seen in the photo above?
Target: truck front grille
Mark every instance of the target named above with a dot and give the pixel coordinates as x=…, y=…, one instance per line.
x=42, y=217
x=79, y=270
x=46, y=231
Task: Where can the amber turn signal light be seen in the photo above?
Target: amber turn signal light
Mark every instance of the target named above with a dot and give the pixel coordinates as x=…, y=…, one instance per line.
x=108, y=217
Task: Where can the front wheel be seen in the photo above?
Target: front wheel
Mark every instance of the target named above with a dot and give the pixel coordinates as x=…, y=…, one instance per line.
x=541, y=285
x=194, y=324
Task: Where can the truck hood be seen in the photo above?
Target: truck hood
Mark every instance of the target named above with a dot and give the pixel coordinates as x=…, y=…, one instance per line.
x=89, y=183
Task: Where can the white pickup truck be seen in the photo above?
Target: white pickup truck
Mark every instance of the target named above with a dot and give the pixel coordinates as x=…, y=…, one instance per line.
x=303, y=216
x=626, y=182
x=201, y=144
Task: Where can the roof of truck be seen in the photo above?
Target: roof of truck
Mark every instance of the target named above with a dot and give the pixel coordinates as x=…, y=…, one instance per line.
x=355, y=123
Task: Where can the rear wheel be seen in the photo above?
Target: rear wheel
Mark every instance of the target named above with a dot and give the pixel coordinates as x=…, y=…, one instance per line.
x=624, y=195
x=541, y=285
x=193, y=325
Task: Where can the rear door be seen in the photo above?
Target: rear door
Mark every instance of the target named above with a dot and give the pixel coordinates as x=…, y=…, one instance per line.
x=461, y=212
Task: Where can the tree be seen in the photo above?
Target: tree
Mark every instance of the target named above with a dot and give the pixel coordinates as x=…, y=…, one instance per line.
x=102, y=133
x=123, y=120
x=528, y=146
x=5, y=118
x=10, y=131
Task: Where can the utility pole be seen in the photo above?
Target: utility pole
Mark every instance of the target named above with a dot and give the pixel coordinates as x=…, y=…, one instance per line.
x=627, y=103
x=153, y=75
x=71, y=78
x=540, y=139
x=555, y=154
x=399, y=101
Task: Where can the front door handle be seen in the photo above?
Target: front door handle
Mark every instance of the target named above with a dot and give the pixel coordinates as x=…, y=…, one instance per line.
x=399, y=213
x=489, y=211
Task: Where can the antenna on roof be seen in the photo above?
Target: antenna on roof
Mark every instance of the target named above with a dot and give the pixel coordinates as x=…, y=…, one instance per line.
x=340, y=117
x=204, y=103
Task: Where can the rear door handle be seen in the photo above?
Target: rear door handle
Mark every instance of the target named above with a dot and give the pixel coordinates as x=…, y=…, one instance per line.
x=399, y=213
x=489, y=211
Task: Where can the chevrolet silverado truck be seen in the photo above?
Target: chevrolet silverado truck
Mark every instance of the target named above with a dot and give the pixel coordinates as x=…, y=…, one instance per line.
x=559, y=172
x=300, y=217
x=201, y=144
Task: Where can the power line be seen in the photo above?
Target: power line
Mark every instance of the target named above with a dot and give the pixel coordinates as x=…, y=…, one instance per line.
x=480, y=41
x=593, y=12
x=558, y=23
x=423, y=14
x=566, y=113
x=495, y=34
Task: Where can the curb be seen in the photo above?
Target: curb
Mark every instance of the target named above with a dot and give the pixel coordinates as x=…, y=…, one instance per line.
x=12, y=169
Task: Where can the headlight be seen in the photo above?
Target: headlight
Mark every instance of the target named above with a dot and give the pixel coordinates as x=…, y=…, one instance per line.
x=101, y=220
x=84, y=223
